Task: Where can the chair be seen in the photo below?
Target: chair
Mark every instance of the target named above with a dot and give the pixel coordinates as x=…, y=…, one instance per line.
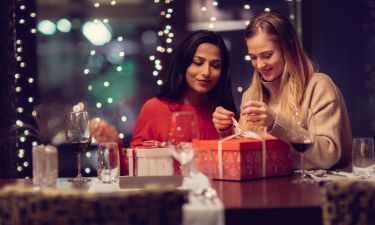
x=348, y=203
x=23, y=205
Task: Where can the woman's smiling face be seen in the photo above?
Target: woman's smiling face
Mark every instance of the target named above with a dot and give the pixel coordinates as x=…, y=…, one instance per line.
x=266, y=56
x=205, y=69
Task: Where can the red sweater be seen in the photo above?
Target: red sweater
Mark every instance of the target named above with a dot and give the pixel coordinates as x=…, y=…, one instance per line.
x=154, y=119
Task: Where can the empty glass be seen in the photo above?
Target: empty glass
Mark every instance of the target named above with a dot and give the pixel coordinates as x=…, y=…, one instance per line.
x=45, y=168
x=182, y=133
x=363, y=157
x=108, y=162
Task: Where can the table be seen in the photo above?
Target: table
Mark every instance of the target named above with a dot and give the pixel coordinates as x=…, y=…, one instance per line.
x=261, y=201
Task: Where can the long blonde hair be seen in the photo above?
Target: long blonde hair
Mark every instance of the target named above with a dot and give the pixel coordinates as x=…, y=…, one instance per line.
x=298, y=67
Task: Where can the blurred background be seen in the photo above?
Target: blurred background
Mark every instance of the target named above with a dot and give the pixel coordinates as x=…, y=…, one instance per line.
x=112, y=55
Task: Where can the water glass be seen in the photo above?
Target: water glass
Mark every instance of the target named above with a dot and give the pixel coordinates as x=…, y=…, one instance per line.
x=108, y=166
x=363, y=157
x=45, y=169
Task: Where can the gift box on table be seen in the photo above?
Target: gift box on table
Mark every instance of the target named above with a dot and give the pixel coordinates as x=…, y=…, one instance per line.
x=145, y=161
x=243, y=158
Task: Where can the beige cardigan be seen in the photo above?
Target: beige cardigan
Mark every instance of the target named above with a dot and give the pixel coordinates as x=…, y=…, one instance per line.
x=333, y=143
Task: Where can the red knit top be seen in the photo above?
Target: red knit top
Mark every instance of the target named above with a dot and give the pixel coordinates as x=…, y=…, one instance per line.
x=154, y=119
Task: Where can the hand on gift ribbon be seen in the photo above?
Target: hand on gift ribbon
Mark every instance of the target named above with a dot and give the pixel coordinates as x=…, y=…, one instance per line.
x=222, y=118
x=258, y=113
x=102, y=131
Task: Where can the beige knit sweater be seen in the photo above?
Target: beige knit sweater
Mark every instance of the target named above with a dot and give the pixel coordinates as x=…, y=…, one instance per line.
x=333, y=142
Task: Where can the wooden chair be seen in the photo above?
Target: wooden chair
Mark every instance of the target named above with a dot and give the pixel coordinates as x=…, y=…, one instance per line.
x=23, y=205
x=348, y=203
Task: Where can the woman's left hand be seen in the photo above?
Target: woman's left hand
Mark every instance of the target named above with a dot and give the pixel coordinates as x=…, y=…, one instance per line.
x=258, y=113
x=102, y=131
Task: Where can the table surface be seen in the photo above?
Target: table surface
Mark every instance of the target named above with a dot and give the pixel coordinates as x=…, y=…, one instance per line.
x=273, y=200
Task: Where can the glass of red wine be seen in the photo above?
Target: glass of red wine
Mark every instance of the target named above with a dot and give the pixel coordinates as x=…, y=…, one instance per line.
x=302, y=137
x=79, y=136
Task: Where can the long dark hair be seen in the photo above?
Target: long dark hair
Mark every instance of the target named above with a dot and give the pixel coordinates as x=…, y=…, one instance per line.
x=176, y=85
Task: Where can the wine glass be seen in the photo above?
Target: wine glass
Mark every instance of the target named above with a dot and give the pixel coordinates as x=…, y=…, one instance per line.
x=183, y=130
x=302, y=137
x=79, y=136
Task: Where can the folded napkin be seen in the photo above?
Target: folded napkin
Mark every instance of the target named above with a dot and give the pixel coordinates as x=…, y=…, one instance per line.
x=329, y=175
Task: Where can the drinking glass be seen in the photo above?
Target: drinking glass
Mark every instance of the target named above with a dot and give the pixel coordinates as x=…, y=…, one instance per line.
x=182, y=133
x=363, y=157
x=79, y=136
x=302, y=137
x=108, y=162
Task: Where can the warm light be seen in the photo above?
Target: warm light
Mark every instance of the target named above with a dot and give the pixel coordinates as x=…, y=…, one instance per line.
x=159, y=82
x=240, y=89
x=109, y=100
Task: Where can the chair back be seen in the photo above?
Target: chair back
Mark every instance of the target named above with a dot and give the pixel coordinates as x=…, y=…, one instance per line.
x=24, y=205
x=348, y=203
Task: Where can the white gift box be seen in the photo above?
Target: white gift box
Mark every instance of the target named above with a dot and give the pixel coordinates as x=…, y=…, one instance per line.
x=150, y=162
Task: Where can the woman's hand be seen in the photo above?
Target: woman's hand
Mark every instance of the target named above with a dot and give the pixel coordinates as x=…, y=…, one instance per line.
x=222, y=118
x=258, y=113
x=102, y=131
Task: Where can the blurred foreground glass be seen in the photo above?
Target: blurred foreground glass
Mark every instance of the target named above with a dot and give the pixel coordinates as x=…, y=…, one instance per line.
x=108, y=166
x=363, y=157
x=182, y=133
x=79, y=136
x=45, y=168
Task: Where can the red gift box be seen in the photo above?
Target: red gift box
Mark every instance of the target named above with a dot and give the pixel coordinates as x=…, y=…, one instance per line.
x=244, y=158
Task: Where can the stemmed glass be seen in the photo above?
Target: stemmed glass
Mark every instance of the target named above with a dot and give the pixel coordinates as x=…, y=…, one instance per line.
x=79, y=136
x=183, y=130
x=302, y=137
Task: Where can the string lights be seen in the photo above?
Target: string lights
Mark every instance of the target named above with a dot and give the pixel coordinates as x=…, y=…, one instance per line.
x=25, y=80
x=166, y=36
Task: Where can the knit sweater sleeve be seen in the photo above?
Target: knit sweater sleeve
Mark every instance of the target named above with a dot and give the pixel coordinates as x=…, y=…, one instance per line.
x=333, y=135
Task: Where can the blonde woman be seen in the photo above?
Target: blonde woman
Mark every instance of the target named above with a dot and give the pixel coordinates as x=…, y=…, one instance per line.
x=284, y=80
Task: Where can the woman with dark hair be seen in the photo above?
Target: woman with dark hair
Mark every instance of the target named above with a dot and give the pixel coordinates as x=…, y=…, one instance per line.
x=284, y=81
x=198, y=81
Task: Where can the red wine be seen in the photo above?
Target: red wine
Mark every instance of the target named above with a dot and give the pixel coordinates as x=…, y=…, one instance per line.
x=80, y=145
x=301, y=147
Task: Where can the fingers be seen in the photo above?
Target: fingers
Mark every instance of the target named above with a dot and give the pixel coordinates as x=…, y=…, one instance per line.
x=102, y=131
x=253, y=107
x=222, y=118
x=258, y=113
